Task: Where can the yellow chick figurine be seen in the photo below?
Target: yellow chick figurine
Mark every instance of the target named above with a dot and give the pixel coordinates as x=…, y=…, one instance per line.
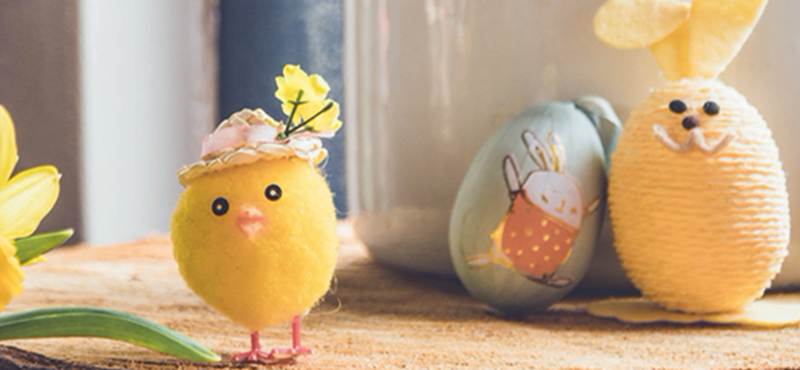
x=254, y=232
x=697, y=195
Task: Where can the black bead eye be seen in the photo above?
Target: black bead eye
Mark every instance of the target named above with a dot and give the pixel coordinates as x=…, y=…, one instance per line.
x=273, y=192
x=220, y=206
x=711, y=108
x=677, y=106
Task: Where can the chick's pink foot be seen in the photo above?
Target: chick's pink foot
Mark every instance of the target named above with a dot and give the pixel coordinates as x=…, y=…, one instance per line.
x=294, y=351
x=297, y=348
x=255, y=354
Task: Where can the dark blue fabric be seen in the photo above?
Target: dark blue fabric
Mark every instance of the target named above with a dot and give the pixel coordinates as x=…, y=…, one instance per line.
x=257, y=37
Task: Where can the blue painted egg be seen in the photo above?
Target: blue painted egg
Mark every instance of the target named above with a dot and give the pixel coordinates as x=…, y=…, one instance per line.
x=530, y=209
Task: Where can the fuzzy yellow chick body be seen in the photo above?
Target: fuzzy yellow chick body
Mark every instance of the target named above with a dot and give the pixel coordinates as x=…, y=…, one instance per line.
x=254, y=231
x=277, y=271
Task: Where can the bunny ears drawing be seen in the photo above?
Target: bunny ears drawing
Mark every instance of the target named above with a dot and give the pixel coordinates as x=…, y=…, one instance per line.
x=535, y=237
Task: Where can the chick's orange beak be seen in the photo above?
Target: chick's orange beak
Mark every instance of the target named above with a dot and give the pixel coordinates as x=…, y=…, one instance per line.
x=250, y=220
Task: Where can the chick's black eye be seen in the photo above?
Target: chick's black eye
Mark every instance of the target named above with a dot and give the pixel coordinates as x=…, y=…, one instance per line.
x=273, y=192
x=677, y=106
x=220, y=206
x=711, y=108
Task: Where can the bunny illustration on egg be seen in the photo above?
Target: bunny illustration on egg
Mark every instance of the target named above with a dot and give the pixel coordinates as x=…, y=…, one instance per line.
x=530, y=209
x=536, y=235
x=697, y=194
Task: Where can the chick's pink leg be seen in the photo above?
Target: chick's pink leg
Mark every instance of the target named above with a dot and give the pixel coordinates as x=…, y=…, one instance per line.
x=255, y=353
x=297, y=348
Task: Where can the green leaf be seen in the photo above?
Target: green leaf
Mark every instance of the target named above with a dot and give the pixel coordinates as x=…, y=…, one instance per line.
x=103, y=323
x=35, y=245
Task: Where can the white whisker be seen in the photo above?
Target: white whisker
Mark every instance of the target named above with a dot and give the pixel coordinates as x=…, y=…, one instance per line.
x=695, y=139
x=663, y=137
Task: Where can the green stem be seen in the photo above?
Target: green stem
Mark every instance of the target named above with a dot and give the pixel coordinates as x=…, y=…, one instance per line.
x=295, y=104
x=35, y=245
x=103, y=323
x=323, y=110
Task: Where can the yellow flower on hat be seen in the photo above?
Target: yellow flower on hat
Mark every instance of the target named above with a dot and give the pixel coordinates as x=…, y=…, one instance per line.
x=314, y=88
x=24, y=200
x=328, y=120
x=305, y=101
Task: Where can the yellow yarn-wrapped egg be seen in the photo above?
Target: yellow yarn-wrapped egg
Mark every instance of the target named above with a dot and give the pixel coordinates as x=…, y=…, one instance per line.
x=698, y=199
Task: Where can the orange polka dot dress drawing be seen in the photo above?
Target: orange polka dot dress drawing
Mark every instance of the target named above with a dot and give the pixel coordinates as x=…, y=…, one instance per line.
x=535, y=237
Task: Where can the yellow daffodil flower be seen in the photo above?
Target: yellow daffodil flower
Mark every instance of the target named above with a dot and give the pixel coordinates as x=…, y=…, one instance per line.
x=24, y=200
x=314, y=99
x=294, y=79
x=327, y=121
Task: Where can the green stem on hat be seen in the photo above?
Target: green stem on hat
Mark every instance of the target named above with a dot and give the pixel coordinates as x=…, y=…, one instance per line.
x=301, y=130
x=304, y=123
x=295, y=104
x=102, y=323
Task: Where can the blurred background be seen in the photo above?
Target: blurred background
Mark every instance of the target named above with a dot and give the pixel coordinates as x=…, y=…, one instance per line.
x=118, y=94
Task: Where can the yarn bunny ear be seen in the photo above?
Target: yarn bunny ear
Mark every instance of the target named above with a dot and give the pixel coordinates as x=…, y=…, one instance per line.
x=705, y=44
x=628, y=24
x=691, y=39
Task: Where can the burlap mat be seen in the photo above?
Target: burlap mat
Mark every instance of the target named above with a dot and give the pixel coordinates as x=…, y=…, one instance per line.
x=375, y=319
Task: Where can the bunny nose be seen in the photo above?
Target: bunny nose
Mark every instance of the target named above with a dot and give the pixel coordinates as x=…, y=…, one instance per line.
x=691, y=121
x=250, y=220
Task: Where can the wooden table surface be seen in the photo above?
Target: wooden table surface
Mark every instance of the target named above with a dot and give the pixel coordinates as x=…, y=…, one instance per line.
x=376, y=318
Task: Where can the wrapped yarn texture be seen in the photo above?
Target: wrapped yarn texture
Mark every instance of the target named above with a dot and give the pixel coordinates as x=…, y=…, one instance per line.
x=699, y=232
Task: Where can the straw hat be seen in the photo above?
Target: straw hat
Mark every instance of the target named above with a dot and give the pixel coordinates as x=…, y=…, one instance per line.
x=246, y=137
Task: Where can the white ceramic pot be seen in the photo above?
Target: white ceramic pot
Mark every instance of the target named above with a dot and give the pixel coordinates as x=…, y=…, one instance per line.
x=428, y=81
